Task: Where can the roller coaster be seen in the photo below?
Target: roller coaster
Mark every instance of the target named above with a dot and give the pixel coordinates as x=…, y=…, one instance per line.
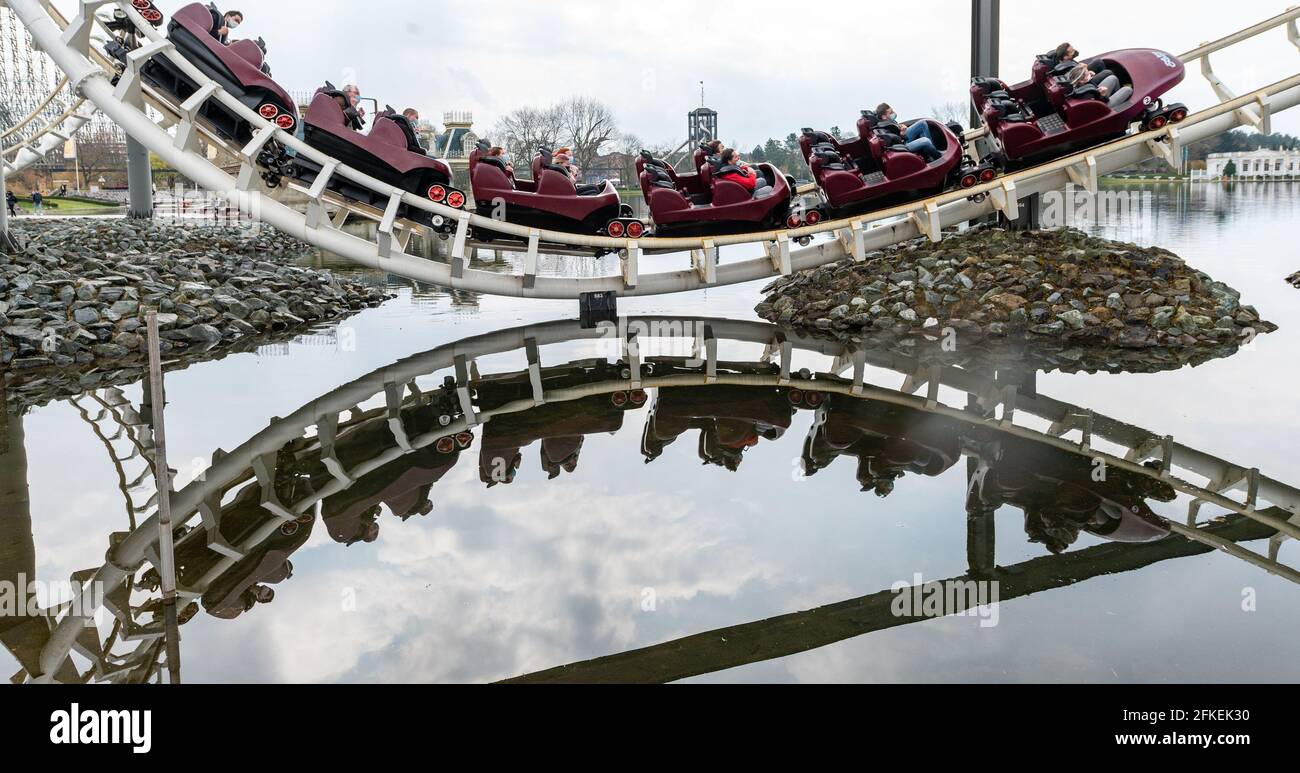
x=393, y=433
x=123, y=65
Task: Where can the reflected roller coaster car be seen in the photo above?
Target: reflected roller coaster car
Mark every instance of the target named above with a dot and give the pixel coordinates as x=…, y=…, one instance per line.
x=1047, y=117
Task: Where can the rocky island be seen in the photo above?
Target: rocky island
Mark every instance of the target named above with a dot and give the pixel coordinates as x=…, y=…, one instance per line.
x=1073, y=301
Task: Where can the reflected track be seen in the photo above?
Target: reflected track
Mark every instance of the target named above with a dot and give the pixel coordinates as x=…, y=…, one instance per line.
x=316, y=433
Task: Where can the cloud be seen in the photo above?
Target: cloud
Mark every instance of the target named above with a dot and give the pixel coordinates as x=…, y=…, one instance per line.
x=768, y=68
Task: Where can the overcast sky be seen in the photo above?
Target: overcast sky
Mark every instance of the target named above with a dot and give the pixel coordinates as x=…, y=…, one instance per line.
x=774, y=70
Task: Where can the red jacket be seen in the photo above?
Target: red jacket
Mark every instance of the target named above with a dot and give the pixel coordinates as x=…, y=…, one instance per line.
x=746, y=181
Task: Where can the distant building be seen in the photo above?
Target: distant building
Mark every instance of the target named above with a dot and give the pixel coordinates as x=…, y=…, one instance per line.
x=458, y=139
x=615, y=167
x=702, y=125
x=1262, y=164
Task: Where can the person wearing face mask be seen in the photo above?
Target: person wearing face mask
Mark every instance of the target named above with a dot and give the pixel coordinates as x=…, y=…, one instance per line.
x=230, y=21
x=917, y=136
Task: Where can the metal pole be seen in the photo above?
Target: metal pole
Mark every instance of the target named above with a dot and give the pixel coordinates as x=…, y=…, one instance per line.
x=162, y=474
x=985, y=43
x=139, y=176
x=6, y=241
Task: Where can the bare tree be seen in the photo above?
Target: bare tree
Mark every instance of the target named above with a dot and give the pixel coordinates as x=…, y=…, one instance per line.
x=524, y=130
x=590, y=125
x=951, y=112
x=100, y=152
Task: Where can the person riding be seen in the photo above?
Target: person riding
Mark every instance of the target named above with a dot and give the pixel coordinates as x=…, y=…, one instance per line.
x=733, y=169
x=1106, y=82
x=353, y=93
x=230, y=21
x=496, y=151
x=347, y=101
x=917, y=136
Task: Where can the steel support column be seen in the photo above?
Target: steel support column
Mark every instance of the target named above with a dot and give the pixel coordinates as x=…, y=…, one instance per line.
x=6, y=241
x=139, y=177
x=985, y=29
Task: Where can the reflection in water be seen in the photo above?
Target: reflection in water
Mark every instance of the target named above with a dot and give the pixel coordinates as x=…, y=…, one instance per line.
x=382, y=443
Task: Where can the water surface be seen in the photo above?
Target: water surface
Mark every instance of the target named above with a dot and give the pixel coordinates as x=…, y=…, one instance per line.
x=502, y=581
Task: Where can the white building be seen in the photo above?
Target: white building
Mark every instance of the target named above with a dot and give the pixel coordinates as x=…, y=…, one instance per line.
x=1256, y=164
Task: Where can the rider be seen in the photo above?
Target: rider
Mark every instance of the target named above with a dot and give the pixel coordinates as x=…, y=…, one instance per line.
x=353, y=93
x=1105, y=81
x=731, y=168
x=917, y=136
x=229, y=22
x=496, y=151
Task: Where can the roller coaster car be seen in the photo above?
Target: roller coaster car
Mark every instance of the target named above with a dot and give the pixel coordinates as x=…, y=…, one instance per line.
x=730, y=419
x=390, y=153
x=876, y=168
x=888, y=441
x=240, y=69
x=247, y=583
x=561, y=428
x=1054, y=486
x=120, y=22
x=549, y=201
x=691, y=185
x=723, y=206
x=1046, y=117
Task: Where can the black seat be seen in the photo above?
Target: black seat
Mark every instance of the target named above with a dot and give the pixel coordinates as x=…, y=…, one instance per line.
x=412, y=139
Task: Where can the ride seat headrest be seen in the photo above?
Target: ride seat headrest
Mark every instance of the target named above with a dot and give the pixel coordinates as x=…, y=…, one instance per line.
x=1086, y=91
x=818, y=138
x=828, y=155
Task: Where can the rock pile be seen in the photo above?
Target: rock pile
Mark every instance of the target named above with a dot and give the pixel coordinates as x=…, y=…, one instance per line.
x=993, y=287
x=76, y=295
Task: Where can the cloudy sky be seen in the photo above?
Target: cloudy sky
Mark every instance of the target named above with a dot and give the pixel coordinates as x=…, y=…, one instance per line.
x=768, y=69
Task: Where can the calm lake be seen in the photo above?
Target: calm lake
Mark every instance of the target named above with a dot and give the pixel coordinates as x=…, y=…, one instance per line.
x=619, y=554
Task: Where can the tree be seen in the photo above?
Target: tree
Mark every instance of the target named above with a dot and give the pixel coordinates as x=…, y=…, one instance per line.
x=1230, y=170
x=585, y=125
x=100, y=151
x=630, y=146
x=526, y=129
x=589, y=125
x=951, y=112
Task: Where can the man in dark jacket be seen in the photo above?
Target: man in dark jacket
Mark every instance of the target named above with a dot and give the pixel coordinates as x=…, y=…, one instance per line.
x=227, y=25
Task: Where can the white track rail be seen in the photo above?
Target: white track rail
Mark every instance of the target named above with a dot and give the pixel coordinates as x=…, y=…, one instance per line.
x=1073, y=429
x=852, y=237
x=22, y=154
